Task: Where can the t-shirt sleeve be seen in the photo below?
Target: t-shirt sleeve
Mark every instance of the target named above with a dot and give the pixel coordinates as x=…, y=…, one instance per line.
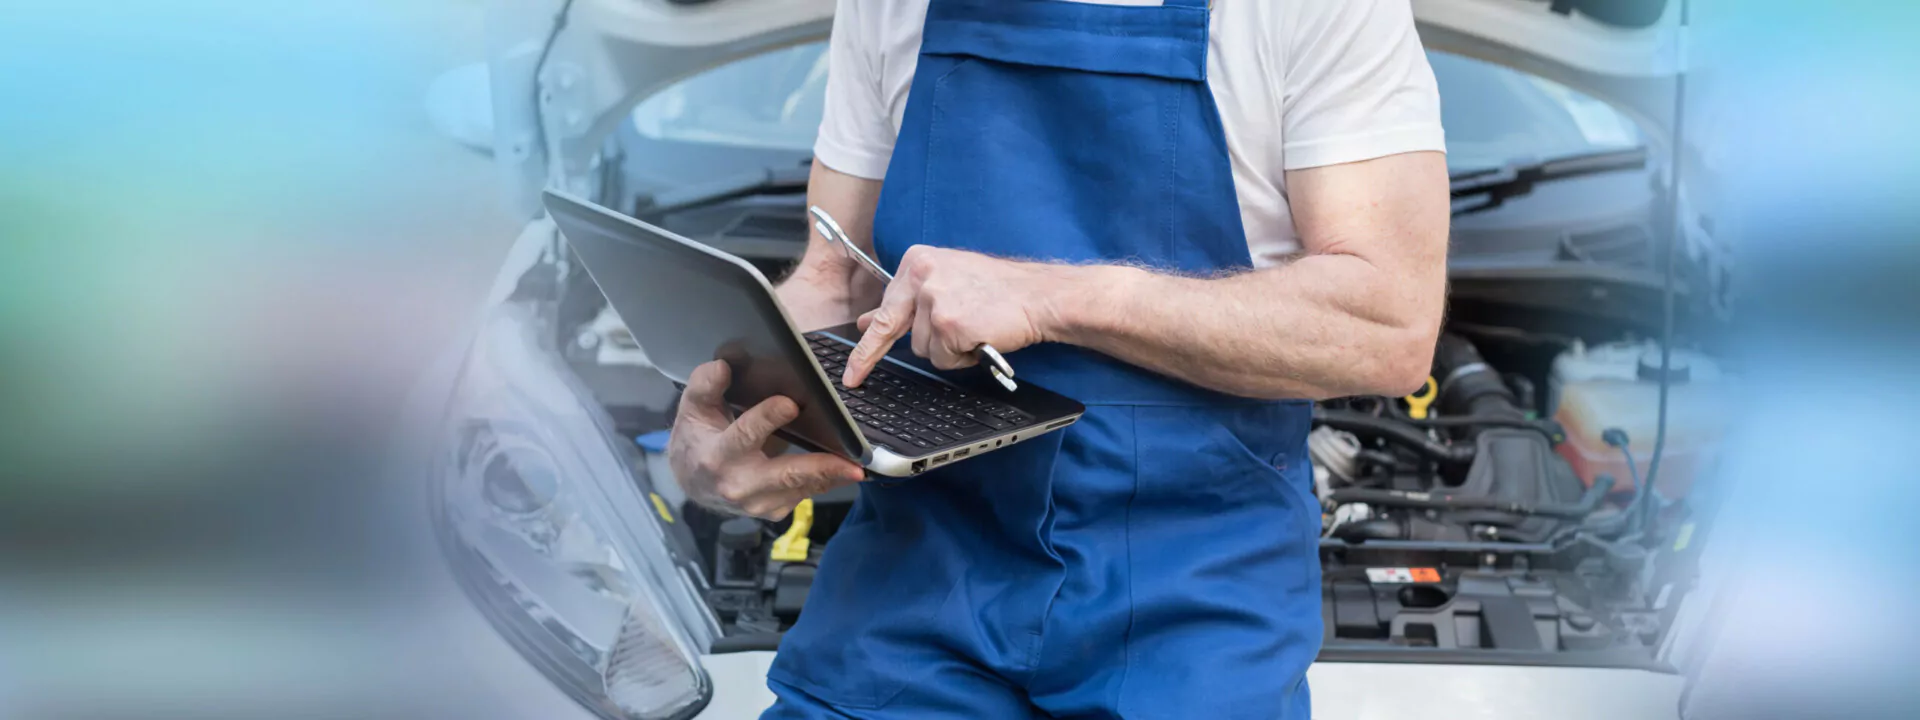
x=856, y=133
x=1358, y=85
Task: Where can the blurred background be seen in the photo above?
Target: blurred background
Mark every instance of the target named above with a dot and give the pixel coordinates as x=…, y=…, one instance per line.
x=230, y=238
x=233, y=238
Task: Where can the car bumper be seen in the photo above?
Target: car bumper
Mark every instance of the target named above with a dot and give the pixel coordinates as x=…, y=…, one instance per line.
x=1363, y=691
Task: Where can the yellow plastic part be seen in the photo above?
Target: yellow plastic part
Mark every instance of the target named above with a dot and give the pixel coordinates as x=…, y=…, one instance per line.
x=792, y=546
x=1421, y=399
x=660, y=504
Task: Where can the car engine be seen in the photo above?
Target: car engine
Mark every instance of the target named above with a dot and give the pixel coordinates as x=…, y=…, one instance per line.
x=1465, y=461
x=1495, y=516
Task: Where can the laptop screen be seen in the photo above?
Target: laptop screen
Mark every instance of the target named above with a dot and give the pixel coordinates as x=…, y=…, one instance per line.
x=687, y=304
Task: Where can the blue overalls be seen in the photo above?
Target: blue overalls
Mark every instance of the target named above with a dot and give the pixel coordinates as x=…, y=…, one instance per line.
x=1156, y=559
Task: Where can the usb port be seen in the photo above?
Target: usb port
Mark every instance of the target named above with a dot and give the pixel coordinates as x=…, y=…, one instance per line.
x=962, y=452
x=942, y=457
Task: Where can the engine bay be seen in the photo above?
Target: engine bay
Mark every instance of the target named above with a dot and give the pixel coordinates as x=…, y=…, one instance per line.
x=1496, y=516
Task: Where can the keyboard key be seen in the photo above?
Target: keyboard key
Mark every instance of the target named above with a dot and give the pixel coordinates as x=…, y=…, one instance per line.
x=988, y=420
x=970, y=433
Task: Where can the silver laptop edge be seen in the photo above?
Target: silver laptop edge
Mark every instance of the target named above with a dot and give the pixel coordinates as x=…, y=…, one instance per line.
x=878, y=459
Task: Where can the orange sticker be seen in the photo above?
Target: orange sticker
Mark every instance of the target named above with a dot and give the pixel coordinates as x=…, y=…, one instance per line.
x=1425, y=575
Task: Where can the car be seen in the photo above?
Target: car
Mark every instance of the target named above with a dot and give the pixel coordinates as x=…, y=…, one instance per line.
x=1492, y=556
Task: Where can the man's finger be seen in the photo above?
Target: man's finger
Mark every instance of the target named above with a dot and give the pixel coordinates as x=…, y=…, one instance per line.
x=891, y=320
x=706, y=393
x=942, y=345
x=865, y=319
x=750, y=431
x=810, y=474
x=947, y=357
x=923, y=336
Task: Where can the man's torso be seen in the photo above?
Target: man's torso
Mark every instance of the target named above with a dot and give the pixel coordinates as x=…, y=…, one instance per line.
x=1250, y=45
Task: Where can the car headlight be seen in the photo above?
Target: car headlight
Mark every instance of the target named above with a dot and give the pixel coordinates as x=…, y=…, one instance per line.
x=555, y=534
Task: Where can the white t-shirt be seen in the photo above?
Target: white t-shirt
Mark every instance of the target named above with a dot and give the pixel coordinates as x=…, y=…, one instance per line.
x=1299, y=83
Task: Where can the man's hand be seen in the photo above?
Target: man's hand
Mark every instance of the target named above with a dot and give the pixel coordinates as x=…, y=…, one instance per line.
x=954, y=301
x=1356, y=313
x=720, y=461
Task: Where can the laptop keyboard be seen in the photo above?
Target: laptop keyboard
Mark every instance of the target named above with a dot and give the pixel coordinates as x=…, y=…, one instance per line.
x=909, y=412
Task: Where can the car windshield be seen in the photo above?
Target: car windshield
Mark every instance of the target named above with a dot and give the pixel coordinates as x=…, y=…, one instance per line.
x=771, y=101
x=1493, y=115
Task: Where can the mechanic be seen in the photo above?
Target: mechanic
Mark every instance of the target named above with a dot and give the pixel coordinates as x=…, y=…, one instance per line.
x=1194, y=220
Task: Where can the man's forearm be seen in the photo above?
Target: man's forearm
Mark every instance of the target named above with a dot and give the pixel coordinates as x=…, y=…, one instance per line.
x=1323, y=326
x=819, y=294
x=826, y=287
x=1357, y=314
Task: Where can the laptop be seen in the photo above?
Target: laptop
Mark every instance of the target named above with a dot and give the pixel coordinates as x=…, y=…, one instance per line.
x=687, y=304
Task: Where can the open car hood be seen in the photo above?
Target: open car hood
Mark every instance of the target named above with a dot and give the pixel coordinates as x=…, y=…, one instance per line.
x=1619, y=38
x=560, y=87
x=1626, y=52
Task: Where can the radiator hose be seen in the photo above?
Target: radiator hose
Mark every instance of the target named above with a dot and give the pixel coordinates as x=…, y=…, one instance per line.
x=1588, y=503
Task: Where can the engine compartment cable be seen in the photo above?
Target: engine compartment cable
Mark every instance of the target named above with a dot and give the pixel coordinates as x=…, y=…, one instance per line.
x=1674, y=235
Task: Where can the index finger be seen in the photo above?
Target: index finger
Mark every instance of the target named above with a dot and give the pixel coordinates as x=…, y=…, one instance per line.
x=891, y=320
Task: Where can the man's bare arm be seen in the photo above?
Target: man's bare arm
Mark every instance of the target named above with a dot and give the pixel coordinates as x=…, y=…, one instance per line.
x=827, y=288
x=1357, y=314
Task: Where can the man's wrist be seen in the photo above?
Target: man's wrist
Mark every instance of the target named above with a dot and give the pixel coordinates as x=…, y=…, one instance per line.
x=816, y=293
x=1082, y=301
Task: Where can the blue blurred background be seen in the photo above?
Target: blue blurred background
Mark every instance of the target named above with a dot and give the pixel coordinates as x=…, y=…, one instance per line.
x=231, y=239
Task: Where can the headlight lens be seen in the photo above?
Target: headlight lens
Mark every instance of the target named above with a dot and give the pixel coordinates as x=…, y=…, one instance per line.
x=551, y=532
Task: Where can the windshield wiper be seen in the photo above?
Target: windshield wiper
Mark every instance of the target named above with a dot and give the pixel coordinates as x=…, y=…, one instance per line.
x=765, y=181
x=1518, y=178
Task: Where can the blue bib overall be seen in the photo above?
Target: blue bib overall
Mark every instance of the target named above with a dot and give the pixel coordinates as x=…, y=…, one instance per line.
x=1155, y=560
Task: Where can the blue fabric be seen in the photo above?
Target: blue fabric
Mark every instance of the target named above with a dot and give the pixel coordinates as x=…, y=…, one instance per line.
x=1158, y=558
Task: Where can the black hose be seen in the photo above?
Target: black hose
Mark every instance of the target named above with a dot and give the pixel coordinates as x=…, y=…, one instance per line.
x=1629, y=519
x=1430, y=501
x=1394, y=431
x=751, y=642
x=1555, y=434
x=1375, y=529
x=1468, y=385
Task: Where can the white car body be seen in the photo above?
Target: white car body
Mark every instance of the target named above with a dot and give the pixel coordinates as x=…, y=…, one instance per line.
x=613, y=53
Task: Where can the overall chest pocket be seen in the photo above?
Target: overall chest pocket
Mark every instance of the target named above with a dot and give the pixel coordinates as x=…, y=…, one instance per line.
x=1033, y=161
